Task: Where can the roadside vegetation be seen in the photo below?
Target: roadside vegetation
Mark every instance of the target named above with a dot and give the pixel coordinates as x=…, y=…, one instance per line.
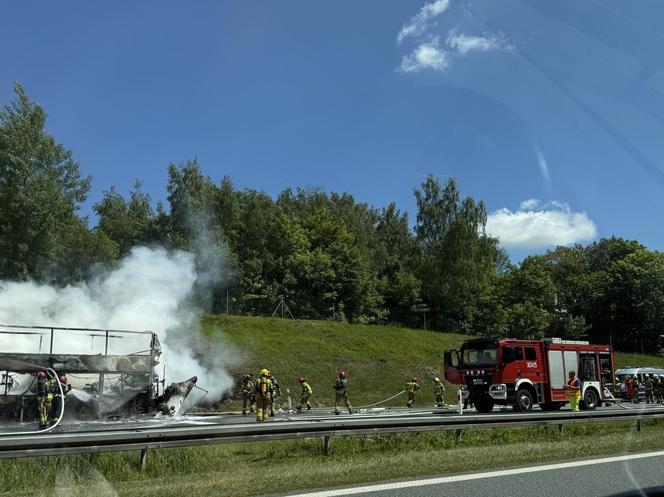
x=276, y=467
x=327, y=254
x=378, y=359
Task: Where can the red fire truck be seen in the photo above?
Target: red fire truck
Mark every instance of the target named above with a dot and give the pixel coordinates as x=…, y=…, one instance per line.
x=523, y=373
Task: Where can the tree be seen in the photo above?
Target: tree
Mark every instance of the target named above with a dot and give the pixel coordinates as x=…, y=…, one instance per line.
x=127, y=223
x=526, y=321
x=394, y=257
x=531, y=283
x=41, y=189
x=458, y=259
x=79, y=252
x=194, y=226
x=633, y=300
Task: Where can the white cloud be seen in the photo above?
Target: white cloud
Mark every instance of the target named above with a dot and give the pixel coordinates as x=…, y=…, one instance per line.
x=464, y=44
x=529, y=204
x=418, y=24
x=529, y=227
x=425, y=56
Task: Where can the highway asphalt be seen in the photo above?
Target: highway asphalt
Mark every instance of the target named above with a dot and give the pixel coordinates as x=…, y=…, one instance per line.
x=224, y=418
x=589, y=478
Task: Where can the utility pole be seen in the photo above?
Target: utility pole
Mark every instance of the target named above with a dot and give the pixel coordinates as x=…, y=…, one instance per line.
x=227, y=301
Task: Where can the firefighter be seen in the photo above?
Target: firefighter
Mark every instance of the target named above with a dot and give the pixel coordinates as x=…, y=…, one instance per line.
x=248, y=394
x=305, y=395
x=660, y=389
x=275, y=391
x=341, y=393
x=412, y=387
x=57, y=403
x=656, y=384
x=635, y=389
x=573, y=391
x=43, y=402
x=629, y=388
x=439, y=391
x=648, y=386
x=262, y=388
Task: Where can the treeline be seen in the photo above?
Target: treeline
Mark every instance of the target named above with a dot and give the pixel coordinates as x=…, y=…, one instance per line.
x=328, y=255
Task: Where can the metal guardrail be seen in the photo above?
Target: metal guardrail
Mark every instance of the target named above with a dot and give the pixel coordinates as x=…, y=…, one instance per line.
x=167, y=437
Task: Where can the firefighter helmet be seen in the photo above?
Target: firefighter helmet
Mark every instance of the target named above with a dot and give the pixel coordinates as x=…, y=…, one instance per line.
x=42, y=374
x=414, y=380
x=63, y=378
x=301, y=379
x=437, y=380
x=265, y=372
x=342, y=373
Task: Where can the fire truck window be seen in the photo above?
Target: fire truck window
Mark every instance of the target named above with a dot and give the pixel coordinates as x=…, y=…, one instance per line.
x=518, y=354
x=477, y=358
x=531, y=354
x=587, y=368
x=452, y=358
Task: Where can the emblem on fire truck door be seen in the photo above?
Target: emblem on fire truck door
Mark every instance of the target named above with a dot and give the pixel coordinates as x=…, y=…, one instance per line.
x=531, y=364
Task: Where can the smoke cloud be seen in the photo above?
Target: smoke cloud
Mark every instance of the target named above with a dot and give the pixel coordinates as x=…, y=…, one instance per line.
x=152, y=289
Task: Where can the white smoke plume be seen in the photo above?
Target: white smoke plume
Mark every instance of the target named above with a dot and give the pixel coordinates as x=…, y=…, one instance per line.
x=152, y=289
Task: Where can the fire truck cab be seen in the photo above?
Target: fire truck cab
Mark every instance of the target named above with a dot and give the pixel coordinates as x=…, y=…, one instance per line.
x=523, y=373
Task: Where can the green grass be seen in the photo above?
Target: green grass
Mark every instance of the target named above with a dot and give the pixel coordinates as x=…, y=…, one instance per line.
x=623, y=360
x=275, y=467
x=377, y=359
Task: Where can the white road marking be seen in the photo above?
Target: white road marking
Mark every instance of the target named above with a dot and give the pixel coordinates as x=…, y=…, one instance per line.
x=476, y=476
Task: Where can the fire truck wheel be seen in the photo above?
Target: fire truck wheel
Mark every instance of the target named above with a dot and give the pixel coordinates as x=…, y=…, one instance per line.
x=523, y=400
x=590, y=400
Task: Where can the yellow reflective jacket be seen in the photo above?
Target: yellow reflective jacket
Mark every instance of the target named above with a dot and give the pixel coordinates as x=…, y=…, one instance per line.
x=411, y=386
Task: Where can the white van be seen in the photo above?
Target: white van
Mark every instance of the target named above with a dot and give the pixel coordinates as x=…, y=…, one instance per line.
x=640, y=372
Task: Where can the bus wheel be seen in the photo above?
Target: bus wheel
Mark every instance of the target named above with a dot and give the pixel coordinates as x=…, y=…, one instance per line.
x=484, y=403
x=523, y=400
x=590, y=400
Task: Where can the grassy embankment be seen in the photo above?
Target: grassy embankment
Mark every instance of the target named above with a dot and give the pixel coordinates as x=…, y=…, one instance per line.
x=378, y=360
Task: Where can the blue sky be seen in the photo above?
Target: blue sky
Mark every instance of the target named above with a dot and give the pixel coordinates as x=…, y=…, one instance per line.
x=552, y=112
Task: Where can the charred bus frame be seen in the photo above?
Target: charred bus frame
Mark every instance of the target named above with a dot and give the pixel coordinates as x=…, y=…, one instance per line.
x=140, y=363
